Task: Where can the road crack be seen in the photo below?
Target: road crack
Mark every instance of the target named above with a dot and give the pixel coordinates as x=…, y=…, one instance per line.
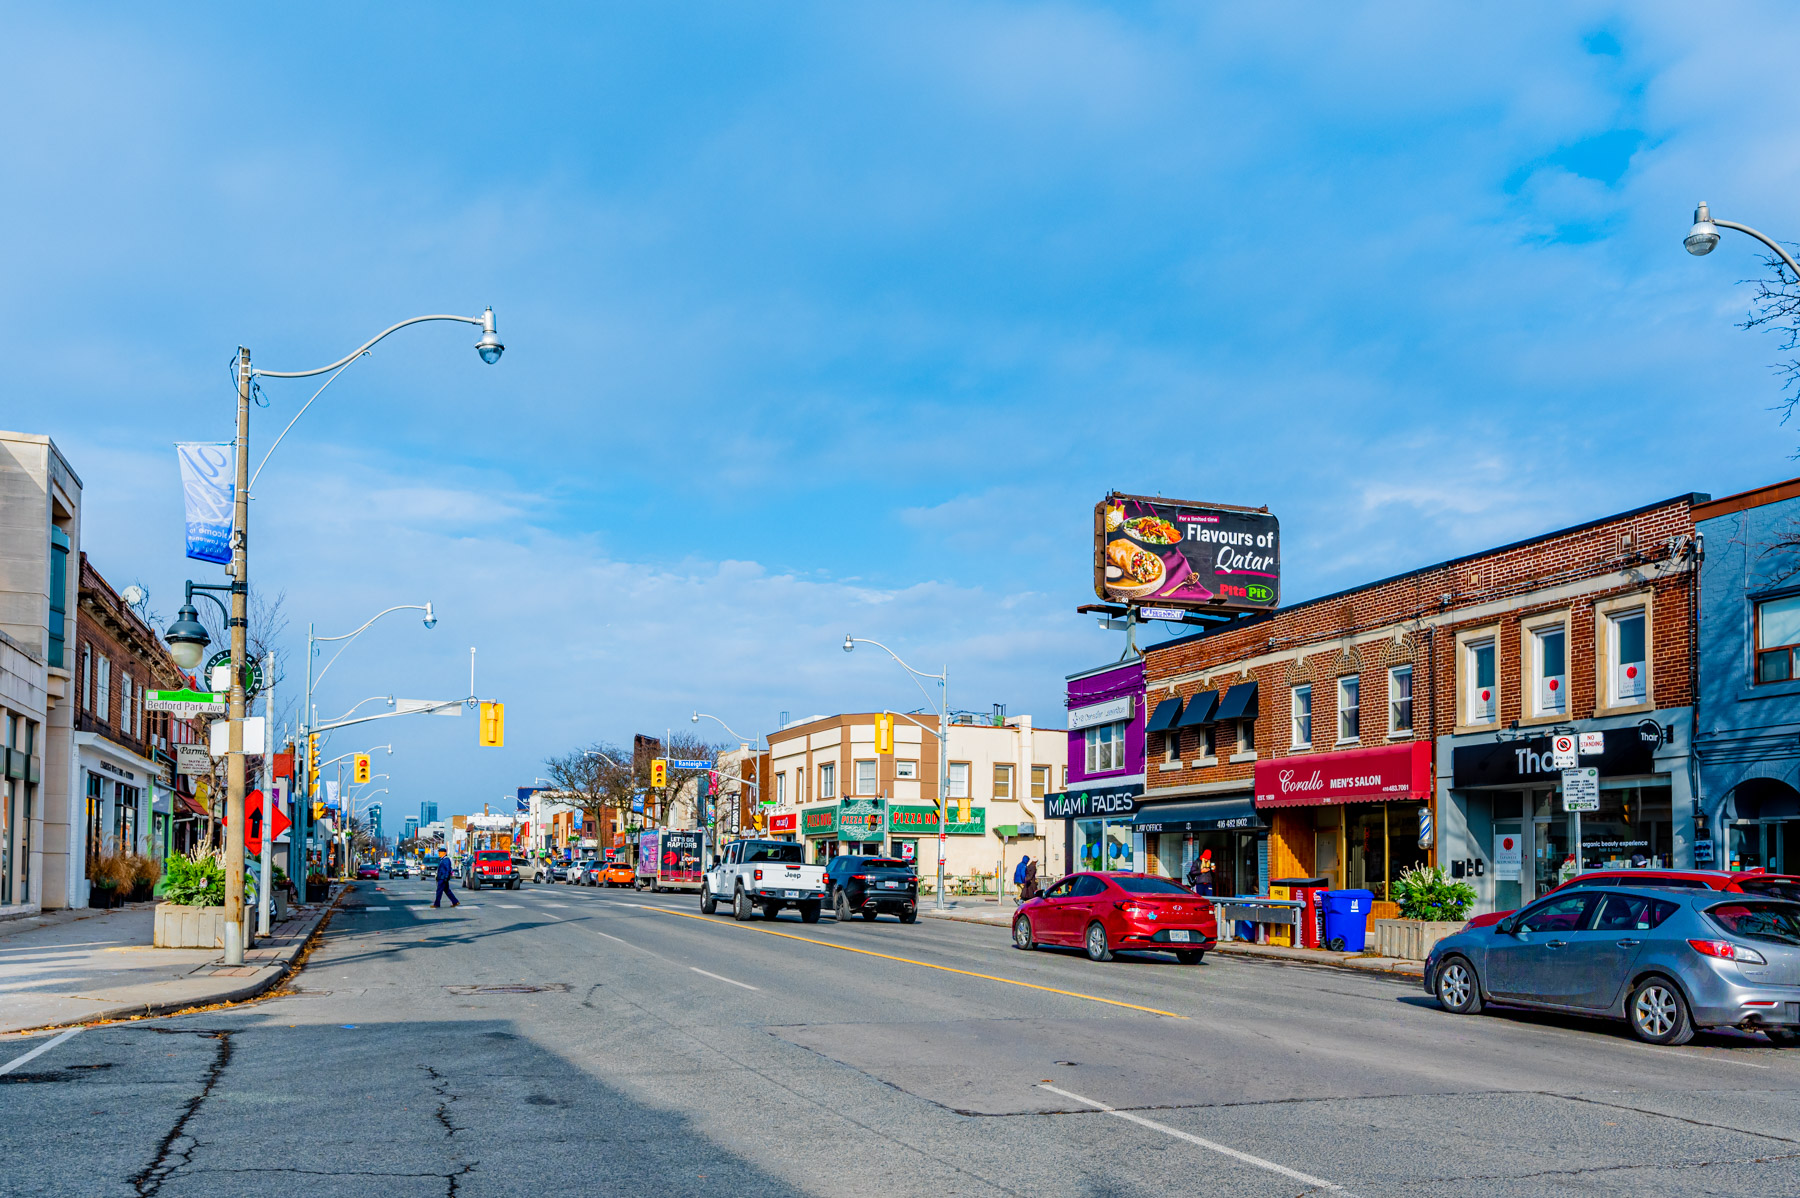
x=169, y=1157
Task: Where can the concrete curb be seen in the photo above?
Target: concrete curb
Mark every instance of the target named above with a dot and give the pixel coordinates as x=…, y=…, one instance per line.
x=269, y=977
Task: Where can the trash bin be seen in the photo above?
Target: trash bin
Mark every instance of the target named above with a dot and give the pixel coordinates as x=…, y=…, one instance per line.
x=1347, y=919
x=1307, y=891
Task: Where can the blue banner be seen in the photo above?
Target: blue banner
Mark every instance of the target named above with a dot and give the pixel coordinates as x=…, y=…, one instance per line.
x=209, y=487
x=524, y=799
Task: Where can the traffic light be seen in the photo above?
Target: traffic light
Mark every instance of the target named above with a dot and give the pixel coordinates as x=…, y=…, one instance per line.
x=312, y=761
x=659, y=772
x=318, y=810
x=884, y=733
x=360, y=768
x=493, y=725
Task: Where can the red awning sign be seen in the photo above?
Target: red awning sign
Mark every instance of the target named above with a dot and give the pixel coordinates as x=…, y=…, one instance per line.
x=1353, y=776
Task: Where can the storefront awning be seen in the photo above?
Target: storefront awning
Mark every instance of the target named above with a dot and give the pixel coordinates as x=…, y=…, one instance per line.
x=1200, y=710
x=1163, y=718
x=1199, y=815
x=1239, y=704
x=1352, y=776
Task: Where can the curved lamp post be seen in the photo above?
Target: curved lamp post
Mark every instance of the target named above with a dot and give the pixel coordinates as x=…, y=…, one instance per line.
x=943, y=735
x=1705, y=235
x=749, y=745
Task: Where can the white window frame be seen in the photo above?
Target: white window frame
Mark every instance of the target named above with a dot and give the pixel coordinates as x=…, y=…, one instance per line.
x=1003, y=780
x=906, y=771
x=873, y=769
x=1350, y=685
x=1395, y=728
x=1615, y=690
x=781, y=787
x=1246, y=737
x=1541, y=704
x=959, y=779
x=87, y=677
x=828, y=780
x=1471, y=711
x=1040, y=781
x=1105, y=745
x=103, y=710
x=1300, y=721
x=1209, y=744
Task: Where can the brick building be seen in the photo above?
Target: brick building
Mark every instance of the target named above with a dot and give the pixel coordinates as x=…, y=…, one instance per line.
x=1410, y=720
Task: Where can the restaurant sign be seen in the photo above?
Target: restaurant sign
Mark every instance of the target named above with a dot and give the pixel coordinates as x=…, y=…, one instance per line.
x=1172, y=554
x=862, y=819
x=923, y=821
x=819, y=821
x=1093, y=800
x=1354, y=776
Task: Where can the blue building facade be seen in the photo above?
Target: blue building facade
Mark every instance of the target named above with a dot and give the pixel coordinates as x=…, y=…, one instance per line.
x=1747, y=736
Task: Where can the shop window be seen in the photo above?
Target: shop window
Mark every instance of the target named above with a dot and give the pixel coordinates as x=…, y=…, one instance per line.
x=1302, y=709
x=1626, y=658
x=1349, y=705
x=1106, y=748
x=1003, y=781
x=959, y=779
x=1040, y=781
x=906, y=770
x=828, y=781
x=1480, y=694
x=1400, y=709
x=1777, y=639
x=1550, y=670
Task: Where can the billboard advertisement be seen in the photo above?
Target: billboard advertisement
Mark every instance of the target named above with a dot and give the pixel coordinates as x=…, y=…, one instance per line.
x=1165, y=552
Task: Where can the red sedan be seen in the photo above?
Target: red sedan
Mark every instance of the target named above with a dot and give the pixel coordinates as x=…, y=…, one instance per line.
x=368, y=870
x=1753, y=881
x=1109, y=912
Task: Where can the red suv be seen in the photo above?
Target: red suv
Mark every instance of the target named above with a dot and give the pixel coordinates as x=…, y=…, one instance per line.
x=1750, y=881
x=490, y=867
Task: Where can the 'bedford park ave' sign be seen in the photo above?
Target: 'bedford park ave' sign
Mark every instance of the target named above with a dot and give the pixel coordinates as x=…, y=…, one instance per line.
x=186, y=704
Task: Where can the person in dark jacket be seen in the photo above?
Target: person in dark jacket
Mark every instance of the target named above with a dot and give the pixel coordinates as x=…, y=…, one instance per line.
x=1027, y=879
x=1200, y=873
x=444, y=873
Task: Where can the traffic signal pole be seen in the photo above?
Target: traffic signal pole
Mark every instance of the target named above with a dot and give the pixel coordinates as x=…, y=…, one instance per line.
x=235, y=930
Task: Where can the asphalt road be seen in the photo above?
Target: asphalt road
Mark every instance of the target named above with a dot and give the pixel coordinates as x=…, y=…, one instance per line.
x=560, y=1041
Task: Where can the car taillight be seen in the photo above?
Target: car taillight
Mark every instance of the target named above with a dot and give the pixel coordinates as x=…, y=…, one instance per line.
x=1725, y=950
x=1137, y=910
x=759, y=875
x=859, y=877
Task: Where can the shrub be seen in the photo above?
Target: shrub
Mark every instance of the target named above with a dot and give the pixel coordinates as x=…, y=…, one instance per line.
x=111, y=868
x=195, y=879
x=145, y=870
x=1426, y=892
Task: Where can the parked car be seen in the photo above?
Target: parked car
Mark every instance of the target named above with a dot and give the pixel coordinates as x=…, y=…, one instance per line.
x=1111, y=912
x=368, y=869
x=590, y=873
x=530, y=869
x=1743, y=881
x=1667, y=961
x=576, y=870
x=490, y=867
x=618, y=873
x=871, y=886
x=559, y=871
x=766, y=874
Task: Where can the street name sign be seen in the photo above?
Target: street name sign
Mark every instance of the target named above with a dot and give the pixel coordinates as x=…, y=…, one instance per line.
x=680, y=764
x=186, y=704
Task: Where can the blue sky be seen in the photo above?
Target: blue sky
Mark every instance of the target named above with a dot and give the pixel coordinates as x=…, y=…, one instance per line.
x=839, y=318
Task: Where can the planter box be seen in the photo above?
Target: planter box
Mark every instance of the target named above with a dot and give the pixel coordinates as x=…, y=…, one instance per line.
x=189, y=927
x=103, y=897
x=1409, y=939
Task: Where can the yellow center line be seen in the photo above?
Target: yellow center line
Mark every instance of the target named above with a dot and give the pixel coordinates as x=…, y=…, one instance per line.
x=986, y=977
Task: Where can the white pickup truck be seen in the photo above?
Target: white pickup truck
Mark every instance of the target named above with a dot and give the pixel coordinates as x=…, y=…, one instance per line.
x=770, y=874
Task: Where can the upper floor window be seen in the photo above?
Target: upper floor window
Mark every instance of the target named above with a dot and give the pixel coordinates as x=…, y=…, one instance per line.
x=1301, y=707
x=1040, y=781
x=1625, y=656
x=906, y=770
x=1400, y=709
x=866, y=778
x=1246, y=736
x=103, y=689
x=1003, y=781
x=1480, y=693
x=781, y=787
x=828, y=780
x=1549, y=670
x=1349, y=703
x=1777, y=639
x=1209, y=741
x=959, y=779
x=1106, y=747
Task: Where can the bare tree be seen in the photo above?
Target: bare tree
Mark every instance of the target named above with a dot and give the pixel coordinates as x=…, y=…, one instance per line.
x=1776, y=308
x=597, y=786
x=683, y=784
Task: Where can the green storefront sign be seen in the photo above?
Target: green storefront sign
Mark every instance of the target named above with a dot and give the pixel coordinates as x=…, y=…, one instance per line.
x=862, y=819
x=923, y=821
x=819, y=821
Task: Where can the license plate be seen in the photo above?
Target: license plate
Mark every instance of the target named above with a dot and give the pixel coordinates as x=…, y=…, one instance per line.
x=1178, y=937
x=890, y=885
x=790, y=894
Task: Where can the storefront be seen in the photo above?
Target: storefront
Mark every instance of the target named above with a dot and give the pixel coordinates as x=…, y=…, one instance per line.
x=784, y=826
x=1099, y=825
x=862, y=827
x=819, y=825
x=1226, y=827
x=1510, y=835
x=1358, y=818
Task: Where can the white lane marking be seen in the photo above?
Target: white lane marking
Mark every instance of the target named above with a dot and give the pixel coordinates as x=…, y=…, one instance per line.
x=39, y=1050
x=371, y=908
x=510, y=906
x=1233, y=1153
x=1698, y=1056
x=715, y=977
x=553, y=904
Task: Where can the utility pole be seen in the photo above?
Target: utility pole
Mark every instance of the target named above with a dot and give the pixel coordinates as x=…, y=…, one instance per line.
x=944, y=779
x=236, y=933
x=268, y=789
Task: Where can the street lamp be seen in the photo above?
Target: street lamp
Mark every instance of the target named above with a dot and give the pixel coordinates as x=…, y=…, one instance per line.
x=943, y=735
x=1705, y=235
x=747, y=746
x=489, y=347
x=187, y=636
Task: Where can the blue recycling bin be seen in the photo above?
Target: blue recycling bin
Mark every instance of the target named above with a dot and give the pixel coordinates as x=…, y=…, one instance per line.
x=1347, y=919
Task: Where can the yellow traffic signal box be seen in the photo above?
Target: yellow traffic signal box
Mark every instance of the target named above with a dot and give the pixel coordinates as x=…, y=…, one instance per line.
x=493, y=725
x=659, y=772
x=884, y=732
x=360, y=772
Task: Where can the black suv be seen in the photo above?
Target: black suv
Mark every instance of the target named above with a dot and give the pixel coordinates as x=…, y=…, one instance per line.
x=871, y=886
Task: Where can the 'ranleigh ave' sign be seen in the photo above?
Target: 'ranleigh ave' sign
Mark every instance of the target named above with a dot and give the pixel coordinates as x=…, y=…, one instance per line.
x=185, y=704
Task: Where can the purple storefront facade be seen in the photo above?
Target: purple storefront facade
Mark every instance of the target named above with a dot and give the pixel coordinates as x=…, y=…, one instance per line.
x=1105, y=777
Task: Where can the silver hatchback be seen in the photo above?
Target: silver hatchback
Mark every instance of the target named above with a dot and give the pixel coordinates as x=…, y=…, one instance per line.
x=1668, y=962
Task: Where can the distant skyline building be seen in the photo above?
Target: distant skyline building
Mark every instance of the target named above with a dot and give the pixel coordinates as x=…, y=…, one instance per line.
x=428, y=814
x=375, y=820
x=410, y=829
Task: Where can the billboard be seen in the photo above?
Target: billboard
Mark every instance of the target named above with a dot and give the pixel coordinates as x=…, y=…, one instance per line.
x=1165, y=552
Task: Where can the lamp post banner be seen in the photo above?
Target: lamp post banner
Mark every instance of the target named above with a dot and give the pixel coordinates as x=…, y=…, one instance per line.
x=208, y=490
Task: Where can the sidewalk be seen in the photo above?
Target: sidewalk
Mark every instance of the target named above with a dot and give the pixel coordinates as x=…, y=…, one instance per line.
x=999, y=913
x=78, y=966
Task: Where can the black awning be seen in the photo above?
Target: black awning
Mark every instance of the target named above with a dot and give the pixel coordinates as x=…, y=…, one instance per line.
x=1200, y=710
x=1239, y=704
x=1199, y=815
x=1163, y=718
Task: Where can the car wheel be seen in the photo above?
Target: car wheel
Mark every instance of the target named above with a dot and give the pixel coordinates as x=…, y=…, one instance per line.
x=909, y=917
x=771, y=910
x=1022, y=937
x=708, y=904
x=840, y=906
x=1658, y=1013
x=1457, y=989
x=1190, y=956
x=741, y=909
x=1097, y=949
x=809, y=912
